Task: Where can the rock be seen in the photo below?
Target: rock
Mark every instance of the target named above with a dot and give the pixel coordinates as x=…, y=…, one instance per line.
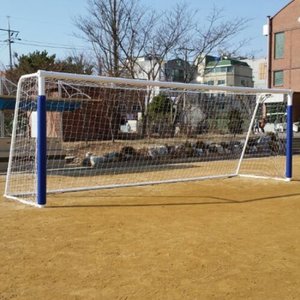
x=112, y=156
x=158, y=151
x=97, y=161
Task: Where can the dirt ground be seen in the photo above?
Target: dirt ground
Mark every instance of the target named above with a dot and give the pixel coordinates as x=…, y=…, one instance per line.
x=218, y=239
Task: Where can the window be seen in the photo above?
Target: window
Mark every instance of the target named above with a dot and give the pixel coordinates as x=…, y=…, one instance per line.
x=210, y=82
x=177, y=75
x=278, y=78
x=178, y=62
x=219, y=70
x=123, y=107
x=262, y=71
x=221, y=82
x=136, y=107
x=279, y=45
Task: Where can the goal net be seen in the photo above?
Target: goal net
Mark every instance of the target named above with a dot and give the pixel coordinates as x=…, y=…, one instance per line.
x=77, y=132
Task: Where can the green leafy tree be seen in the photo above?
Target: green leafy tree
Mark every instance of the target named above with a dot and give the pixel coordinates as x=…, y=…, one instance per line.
x=160, y=107
x=235, y=122
x=74, y=64
x=41, y=60
x=160, y=111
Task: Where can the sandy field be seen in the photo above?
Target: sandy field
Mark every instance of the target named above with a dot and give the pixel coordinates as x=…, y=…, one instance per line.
x=217, y=239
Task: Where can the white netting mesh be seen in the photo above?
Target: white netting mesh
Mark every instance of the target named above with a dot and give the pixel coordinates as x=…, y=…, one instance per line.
x=106, y=134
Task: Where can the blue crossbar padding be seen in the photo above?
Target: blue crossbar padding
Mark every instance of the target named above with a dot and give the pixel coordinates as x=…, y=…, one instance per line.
x=51, y=105
x=59, y=106
x=7, y=104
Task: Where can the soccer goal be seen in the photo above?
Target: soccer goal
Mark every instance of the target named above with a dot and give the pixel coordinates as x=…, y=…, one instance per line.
x=77, y=132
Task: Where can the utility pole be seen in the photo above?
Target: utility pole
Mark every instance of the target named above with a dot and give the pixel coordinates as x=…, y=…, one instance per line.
x=12, y=36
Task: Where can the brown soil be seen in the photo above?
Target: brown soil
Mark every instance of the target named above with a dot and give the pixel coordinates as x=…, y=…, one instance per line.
x=217, y=239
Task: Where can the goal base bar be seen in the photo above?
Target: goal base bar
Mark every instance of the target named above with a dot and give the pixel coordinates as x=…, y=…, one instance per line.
x=265, y=177
x=34, y=204
x=141, y=184
x=17, y=197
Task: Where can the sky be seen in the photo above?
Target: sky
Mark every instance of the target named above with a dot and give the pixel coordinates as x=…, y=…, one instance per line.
x=49, y=24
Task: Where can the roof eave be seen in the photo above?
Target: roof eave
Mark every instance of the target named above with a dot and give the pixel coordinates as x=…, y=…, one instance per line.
x=282, y=9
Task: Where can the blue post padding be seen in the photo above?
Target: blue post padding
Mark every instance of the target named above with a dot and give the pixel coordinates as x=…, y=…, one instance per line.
x=289, y=142
x=41, y=150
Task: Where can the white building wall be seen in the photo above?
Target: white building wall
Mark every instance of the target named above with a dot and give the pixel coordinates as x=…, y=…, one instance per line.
x=259, y=69
x=145, y=66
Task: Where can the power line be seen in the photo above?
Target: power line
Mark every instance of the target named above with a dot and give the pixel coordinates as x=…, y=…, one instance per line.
x=53, y=47
x=53, y=44
x=13, y=38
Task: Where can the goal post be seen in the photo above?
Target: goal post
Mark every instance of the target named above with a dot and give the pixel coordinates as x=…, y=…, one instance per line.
x=41, y=143
x=76, y=132
x=289, y=138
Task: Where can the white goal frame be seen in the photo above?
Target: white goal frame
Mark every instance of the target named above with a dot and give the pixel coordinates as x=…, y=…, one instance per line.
x=41, y=141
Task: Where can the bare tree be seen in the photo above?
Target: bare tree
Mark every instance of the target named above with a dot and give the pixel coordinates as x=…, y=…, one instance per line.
x=170, y=31
x=121, y=31
x=102, y=28
x=118, y=31
x=214, y=38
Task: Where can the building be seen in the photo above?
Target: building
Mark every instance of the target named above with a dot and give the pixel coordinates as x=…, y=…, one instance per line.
x=259, y=68
x=283, y=58
x=178, y=70
x=224, y=71
x=149, y=67
x=174, y=70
